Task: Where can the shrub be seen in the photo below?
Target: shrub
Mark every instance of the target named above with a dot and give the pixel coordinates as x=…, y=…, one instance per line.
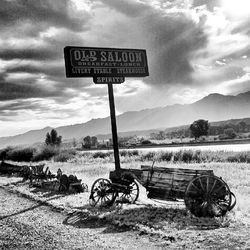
x=197, y=156
x=129, y=153
x=101, y=154
x=133, y=153
x=63, y=157
x=20, y=154
x=148, y=156
x=166, y=156
x=46, y=153
x=124, y=153
x=4, y=152
x=177, y=156
x=146, y=142
x=232, y=158
x=187, y=156
x=242, y=157
x=248, y=159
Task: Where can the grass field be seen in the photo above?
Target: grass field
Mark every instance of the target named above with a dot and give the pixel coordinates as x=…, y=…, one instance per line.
x=168, y=221
x=89, y=167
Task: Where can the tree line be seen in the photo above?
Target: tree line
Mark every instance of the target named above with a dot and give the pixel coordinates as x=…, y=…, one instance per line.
x=202, y=128
x=197, y=129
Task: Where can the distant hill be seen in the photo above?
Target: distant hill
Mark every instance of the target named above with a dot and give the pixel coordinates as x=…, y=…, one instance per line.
x=214, y=107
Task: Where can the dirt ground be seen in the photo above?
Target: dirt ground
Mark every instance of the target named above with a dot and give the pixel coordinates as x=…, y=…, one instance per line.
x=26, y=224
x=46, y=220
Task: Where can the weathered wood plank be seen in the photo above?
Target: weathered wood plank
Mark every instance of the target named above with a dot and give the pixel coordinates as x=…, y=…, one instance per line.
x=164, y=184
x=168, y=181
x=165, y=176
x=168, y=188
x=176, y=170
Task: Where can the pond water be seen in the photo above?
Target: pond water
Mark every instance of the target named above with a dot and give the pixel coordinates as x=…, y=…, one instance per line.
x=228, y=147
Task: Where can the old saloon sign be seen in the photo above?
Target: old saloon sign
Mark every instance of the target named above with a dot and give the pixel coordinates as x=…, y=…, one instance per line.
x=104, y=62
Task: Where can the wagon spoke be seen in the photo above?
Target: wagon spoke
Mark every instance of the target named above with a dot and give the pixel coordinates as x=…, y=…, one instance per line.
x=123, y=195
x=108, y=198
x=134, y=195
x=207, y=188
x=98, y=200
x=102, y=201
x=218, y=189
x=195, y=186
x=202, y=187
x=130, y=196
x=212, y=188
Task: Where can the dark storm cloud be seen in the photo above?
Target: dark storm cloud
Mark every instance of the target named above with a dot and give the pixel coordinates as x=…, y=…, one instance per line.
x=243, y=27
x=49, y=70
x=10, y=110
x=41, y=54
x=171, y=39
x=34, y=53
x=128, y=7
x=13, y=108
x=209, y=3
x=174, y=39
x=12, y=91
x=58, y=13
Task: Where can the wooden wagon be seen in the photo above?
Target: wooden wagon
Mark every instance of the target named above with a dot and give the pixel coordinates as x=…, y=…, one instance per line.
x=204, y=194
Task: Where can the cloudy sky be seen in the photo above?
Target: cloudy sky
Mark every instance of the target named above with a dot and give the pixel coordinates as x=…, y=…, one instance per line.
x=194, y=48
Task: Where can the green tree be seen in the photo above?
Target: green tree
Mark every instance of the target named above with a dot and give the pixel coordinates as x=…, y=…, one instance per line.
x=74, y=142
x=53, y=139
x=230, y=133
x=87, y=141
x=94, y=141
x=242, y=126
x=199, y=128
x=162, y=135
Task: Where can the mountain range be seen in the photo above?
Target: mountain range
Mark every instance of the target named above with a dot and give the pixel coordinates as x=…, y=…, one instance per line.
x=214, y=107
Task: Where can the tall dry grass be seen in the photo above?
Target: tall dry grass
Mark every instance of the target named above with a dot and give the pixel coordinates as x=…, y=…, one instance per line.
x=89, y=166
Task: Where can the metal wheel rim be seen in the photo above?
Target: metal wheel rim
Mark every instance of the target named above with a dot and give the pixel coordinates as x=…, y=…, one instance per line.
x=208, y=198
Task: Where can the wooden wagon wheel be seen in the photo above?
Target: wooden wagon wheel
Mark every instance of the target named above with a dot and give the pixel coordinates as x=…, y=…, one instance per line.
x=207, y=196
x=101, y=193
x=131, y=193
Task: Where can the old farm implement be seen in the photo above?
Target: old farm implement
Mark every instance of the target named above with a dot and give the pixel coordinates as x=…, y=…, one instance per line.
x=204, y=194
x=41, y=177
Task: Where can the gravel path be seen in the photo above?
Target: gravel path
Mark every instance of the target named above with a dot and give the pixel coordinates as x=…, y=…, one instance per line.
x=25, y=224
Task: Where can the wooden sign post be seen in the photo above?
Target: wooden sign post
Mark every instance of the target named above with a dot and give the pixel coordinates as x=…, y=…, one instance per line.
x=113, y=126
x=106, y=66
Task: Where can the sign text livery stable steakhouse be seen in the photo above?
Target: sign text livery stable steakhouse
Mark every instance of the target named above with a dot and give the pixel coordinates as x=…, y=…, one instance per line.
x=105, y=62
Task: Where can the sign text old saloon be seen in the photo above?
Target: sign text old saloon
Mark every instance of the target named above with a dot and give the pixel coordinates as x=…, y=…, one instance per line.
x=94, y=62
